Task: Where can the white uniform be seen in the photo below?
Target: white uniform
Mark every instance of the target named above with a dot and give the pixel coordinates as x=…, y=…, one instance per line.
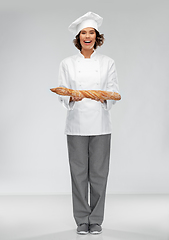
x=88, y=117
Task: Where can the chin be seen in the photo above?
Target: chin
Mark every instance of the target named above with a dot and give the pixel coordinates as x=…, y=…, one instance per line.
x=88, y=48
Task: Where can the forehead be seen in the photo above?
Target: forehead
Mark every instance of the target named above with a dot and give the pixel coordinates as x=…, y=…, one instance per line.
x=88, y=29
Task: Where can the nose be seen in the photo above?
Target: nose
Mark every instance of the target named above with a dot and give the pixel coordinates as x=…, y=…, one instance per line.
x=87, y=35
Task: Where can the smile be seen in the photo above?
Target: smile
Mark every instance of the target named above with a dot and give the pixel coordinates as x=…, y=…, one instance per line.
x=87, y=42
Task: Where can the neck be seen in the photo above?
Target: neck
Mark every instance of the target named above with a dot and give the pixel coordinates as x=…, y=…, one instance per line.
x=87, y=53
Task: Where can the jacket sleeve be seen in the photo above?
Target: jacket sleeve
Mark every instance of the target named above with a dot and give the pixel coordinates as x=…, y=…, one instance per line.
x=112, y=85
x=63, y=81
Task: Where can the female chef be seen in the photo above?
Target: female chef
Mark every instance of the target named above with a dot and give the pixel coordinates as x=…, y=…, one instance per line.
x=88, y=123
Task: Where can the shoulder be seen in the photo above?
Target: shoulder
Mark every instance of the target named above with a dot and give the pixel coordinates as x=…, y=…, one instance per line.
x=69, y=60
x=105, y=59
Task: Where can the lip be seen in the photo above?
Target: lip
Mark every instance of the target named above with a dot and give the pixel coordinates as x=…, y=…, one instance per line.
x=87, y=43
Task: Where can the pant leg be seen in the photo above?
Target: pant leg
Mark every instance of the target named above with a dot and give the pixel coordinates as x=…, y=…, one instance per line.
x=78, y=161
x=99, y=155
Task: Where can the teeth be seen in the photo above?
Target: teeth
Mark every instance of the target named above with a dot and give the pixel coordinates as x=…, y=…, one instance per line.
x=87, y=41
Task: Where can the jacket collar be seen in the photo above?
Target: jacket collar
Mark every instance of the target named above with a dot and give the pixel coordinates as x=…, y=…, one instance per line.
x=92, y=56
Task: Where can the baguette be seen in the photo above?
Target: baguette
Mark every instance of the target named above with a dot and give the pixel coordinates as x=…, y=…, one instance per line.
x=104, y=95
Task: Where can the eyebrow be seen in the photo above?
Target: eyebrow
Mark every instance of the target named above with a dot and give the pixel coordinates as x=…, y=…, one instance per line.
x=89, y=31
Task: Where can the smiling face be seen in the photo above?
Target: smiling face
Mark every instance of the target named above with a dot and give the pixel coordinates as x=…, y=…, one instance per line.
x=87, y=38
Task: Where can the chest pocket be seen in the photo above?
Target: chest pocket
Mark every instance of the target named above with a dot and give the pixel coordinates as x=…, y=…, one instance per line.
x=88, y=74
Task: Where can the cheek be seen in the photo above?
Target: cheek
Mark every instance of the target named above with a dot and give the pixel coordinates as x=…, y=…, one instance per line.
x=81, y=40
x=94, y=38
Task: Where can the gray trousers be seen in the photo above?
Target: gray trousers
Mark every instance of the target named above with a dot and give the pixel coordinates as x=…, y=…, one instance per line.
x=89, y=166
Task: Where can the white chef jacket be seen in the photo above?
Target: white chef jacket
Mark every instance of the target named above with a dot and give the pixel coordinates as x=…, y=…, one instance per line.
x=88, y=117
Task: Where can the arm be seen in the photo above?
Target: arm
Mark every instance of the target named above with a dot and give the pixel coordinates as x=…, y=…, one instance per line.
x=112, y=85
x=63, y=81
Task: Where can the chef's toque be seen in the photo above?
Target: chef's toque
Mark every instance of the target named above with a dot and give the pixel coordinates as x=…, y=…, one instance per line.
x=89, y=19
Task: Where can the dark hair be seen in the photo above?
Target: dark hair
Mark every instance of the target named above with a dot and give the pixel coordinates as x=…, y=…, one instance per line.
x=99, y=40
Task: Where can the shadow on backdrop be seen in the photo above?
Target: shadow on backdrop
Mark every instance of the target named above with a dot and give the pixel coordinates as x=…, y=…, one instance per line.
x=106, y=235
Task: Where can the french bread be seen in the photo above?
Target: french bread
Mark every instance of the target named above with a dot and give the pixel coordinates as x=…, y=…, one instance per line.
x=104, y=95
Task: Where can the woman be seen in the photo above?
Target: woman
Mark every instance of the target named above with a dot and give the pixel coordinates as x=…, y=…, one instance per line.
x=88, y=124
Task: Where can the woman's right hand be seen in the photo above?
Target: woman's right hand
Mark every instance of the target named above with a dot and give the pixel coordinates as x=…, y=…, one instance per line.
x=75, y=99
x=98, y=99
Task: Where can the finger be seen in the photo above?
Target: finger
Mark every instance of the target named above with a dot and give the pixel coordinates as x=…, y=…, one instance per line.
x=78, y=99
x=96, y=99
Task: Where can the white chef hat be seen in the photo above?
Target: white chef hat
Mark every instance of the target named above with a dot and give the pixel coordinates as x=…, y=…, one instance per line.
x=89, y=19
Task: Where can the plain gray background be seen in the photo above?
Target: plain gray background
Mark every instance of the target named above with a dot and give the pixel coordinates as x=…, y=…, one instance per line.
x=33, y=40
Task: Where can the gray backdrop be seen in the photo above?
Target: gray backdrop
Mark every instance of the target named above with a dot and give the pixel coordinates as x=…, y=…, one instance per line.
x=34, y=39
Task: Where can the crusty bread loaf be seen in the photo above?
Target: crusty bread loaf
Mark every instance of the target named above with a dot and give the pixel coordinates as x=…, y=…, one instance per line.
x=104, y=95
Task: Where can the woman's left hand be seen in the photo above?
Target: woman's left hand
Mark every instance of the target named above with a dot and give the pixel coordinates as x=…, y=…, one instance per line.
x=101, y=100
x=98, y=99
